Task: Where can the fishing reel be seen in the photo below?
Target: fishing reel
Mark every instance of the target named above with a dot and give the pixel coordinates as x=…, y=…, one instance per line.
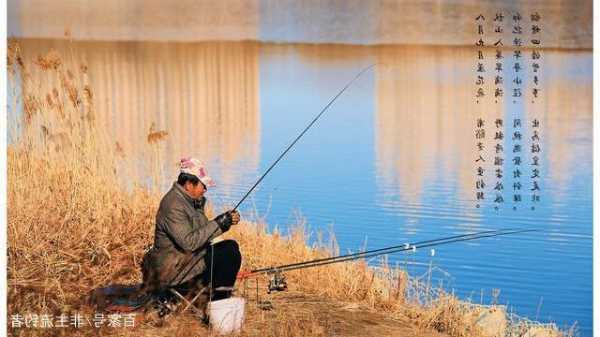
x=277, y=281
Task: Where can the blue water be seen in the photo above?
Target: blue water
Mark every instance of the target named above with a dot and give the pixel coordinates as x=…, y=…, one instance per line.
x=414, y=184
x=392, y=160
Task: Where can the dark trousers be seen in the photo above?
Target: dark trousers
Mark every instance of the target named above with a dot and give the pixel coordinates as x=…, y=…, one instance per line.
x=224, y=260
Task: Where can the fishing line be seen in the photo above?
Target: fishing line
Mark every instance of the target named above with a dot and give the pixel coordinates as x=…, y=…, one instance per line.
x=302, y=134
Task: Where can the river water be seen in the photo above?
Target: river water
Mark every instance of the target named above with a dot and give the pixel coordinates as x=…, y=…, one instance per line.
x=392, y=161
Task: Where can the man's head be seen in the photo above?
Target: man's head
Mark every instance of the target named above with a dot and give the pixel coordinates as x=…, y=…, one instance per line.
x=193, y=177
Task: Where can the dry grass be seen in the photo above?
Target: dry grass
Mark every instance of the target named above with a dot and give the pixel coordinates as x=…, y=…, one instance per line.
x=73, y=227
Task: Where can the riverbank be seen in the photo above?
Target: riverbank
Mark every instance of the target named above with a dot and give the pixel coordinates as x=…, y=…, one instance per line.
x=73, y=227
x=61, y=247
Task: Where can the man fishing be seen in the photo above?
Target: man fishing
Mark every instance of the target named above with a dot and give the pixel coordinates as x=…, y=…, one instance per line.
x=183, y=232
x=182, y=254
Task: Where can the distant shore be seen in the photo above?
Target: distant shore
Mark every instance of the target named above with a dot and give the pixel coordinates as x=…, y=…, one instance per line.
x=564, y=25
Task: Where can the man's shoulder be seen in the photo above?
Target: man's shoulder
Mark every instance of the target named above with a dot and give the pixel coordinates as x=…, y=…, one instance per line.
x=171, y=199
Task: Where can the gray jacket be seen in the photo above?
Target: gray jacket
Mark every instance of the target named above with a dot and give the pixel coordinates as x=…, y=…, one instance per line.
x=181, y=239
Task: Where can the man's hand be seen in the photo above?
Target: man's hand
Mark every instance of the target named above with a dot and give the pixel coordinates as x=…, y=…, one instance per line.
x=235, y=217
x=227, y=219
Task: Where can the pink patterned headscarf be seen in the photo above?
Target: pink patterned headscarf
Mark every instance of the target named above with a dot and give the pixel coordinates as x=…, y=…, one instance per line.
x=195, y=167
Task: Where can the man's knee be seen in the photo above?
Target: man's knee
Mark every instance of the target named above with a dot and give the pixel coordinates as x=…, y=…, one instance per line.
x=234, y=249
x=230, y=248
x=228, y=245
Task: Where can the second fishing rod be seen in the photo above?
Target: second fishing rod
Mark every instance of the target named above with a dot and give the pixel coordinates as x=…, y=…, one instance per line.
x=388, y=250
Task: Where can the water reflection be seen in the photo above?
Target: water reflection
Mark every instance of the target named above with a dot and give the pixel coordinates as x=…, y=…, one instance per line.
x=425, y=121
x=566, y=110
x=425, y=129
x=204, y=95
x=425, y=148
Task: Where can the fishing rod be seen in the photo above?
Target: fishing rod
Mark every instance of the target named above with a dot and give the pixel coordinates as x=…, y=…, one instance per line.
x=411, y=248
x=302, y=134
x=278, y=282
x=187, y=267
x=383, y=250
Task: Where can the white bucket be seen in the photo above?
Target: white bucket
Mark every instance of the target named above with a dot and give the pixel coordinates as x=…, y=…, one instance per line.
x=226, y=316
